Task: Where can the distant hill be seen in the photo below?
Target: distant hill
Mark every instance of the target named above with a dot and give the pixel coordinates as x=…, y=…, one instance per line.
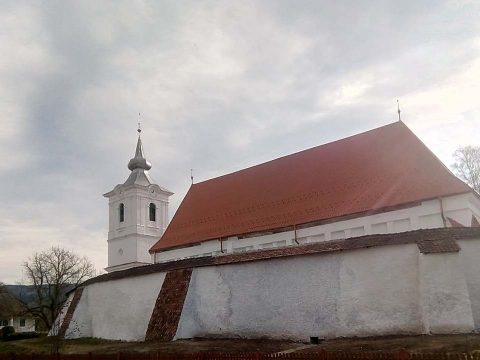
x=27, y=293
x=24, y=293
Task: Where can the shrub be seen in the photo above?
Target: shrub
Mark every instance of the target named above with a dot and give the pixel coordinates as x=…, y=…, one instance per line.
x=7, y=331
x=21, y=336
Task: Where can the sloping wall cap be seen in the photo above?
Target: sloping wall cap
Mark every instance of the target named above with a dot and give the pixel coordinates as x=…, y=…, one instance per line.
x=428, y=241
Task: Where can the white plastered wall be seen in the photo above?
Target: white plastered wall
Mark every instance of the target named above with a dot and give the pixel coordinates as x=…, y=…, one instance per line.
x=444, y=295
x=424, y=216
x=367, y=292
x=382, y=290
x=130, y=240
x=28, y=326
x=116, y=309
x=470, y=259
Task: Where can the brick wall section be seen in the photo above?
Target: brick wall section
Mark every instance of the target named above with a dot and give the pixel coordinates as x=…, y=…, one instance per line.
x=475, y=222
x=437, y=246
x=71, y=309
x=168, y=307
x=427, y=240
x=454, y=223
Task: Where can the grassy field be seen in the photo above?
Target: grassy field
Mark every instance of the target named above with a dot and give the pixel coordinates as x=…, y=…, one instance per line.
x=439, y=343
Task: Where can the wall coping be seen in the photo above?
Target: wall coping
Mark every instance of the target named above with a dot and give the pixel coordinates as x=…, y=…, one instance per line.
x=429, y=241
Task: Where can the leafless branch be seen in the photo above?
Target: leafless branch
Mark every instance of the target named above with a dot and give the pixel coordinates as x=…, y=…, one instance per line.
x=52, y=273
x=467, y=165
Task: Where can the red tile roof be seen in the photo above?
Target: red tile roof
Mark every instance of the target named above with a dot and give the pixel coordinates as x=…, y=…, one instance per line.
x=377, y=169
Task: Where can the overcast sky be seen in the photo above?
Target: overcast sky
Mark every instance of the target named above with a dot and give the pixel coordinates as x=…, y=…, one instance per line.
x=221, y=85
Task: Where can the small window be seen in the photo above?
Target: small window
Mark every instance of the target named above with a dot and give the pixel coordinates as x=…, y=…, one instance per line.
x=152, y=211
x=22, y=322
x=122, y=212
x=3, y=322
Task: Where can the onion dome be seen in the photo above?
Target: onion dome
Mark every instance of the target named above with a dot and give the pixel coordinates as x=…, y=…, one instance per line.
x=139, y=161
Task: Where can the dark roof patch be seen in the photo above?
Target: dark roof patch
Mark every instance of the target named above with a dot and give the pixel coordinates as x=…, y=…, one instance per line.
x=10, y=305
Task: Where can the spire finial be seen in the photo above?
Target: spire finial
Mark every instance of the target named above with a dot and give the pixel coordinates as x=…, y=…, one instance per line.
x=139, y=161
x=398, y=110
x=191, y=175
x=139, y=129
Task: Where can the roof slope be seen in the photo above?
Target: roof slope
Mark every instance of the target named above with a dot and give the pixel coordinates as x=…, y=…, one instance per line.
x=9, y=304
x=380, y=168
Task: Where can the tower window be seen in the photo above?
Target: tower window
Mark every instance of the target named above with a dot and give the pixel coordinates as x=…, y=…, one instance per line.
x=121, y=213
x=152, y=210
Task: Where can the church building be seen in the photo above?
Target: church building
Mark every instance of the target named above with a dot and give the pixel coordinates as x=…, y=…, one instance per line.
x=369, y=235
x=378, y=182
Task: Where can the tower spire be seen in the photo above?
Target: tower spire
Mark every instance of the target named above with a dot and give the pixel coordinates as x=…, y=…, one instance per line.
x=139, y=161
x=138, y=214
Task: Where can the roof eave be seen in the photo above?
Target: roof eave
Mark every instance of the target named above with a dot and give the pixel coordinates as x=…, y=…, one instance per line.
x=315, y=222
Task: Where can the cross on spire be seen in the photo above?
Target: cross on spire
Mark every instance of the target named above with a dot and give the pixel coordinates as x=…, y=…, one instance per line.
x=398, y=110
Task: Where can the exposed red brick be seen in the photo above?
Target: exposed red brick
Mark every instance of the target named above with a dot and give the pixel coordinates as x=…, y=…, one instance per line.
x=437, y=246
x=168, y=307
x=71, y=309
x=474, y=222
x=454, y=223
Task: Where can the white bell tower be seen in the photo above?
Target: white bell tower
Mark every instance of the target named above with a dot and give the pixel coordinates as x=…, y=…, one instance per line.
x=138, y=215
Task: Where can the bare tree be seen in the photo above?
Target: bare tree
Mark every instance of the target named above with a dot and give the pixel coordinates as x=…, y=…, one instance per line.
x=467, y=165
x=52, y=273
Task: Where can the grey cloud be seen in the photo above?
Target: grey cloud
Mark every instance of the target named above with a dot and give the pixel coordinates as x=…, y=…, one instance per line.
x=221, y=86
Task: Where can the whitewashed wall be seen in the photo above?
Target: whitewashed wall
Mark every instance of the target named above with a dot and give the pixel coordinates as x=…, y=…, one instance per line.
x=444, y=295
x=367, y=292
x=470, y=260
x=117, y=309
x=427, y=215
x=130, y=240
x=29, y=323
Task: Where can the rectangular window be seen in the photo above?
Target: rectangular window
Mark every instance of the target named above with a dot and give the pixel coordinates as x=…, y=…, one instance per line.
x=22, y=322
x=3, y=322
x=122, y=212
x=152, y=211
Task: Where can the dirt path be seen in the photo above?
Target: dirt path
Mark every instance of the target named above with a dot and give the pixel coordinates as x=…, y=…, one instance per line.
x=444, y=343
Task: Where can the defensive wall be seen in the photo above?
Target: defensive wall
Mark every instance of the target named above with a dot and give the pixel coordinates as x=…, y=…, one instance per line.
x=416, y=282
